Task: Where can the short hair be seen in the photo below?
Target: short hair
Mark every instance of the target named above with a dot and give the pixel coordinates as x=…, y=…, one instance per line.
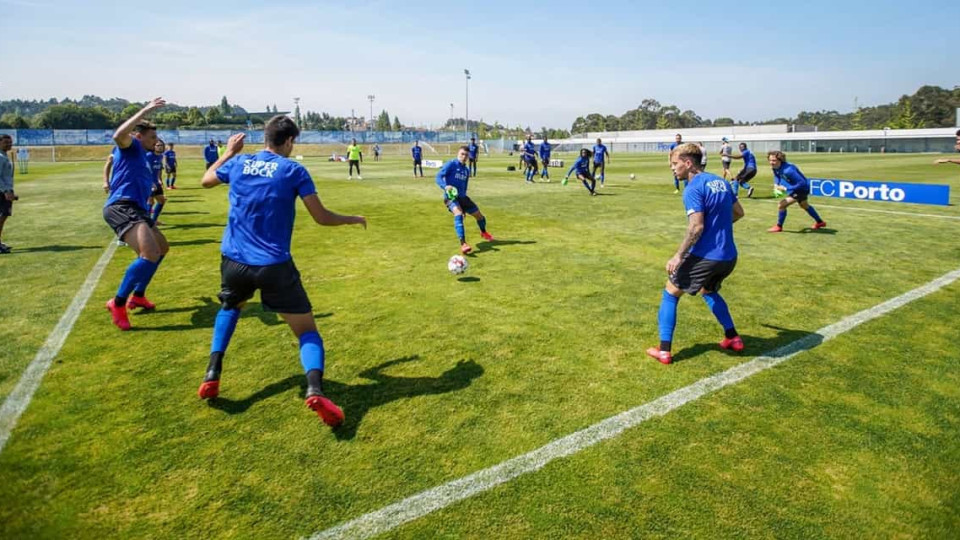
x=170, y=144
x=678, y=135
x=465, y=148
x=279, y=129
x=5, y=136
x=742, y=145
x=688, y=151
x=777, y=154
x=144, y=125
x=958, y=133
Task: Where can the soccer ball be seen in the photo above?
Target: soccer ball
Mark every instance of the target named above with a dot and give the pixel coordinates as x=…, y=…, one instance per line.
x=457, y=264
x=633, y=176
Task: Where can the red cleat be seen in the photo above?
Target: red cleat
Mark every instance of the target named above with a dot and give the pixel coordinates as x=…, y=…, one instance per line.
x=664, y=357
x=119, y=315
x=209, y=389
x=326, y=410
x=465, y=248
x=139, y=302
x=775, y=228
x=487, y=236
x=819, y=225
x=735, y=344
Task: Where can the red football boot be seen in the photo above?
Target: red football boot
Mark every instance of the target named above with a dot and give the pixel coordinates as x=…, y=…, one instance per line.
x=775, y=228
x=209, y=389
x=118, y=314
x=734, y=344
x=819, y=225
x=487, y=236
x=664, y=357
x=139, y=302
x=465, y=248
x=326, y=410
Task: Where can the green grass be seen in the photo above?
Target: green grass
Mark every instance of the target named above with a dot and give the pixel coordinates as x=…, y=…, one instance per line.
x=440, y=377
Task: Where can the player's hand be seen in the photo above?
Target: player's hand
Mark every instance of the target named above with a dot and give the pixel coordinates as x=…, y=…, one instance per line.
x=155, y=103
x=10, y=196
x=235, y=143
x=672, y=264
x=106, y=187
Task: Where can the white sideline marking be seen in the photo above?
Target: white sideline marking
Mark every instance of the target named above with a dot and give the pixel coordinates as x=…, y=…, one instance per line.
x=425, y=502
x=19, y=399
x=856, y=208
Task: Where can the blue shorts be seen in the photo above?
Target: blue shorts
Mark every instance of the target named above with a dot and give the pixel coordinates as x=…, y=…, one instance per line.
x=466, y=204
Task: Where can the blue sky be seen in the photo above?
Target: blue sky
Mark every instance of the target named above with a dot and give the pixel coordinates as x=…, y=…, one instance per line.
x=533, y=64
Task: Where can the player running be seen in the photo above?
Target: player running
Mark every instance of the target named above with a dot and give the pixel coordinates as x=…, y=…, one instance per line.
x=264, y=188
x=678, y=140
x=544, y=151
x=600, y=158
x=582, y=167
x=130, y=185
x=355, y=157
x=707, y=254
x=453, y=178
x=417, y=153
x=788, y=178
x=529, y=158
x=725, y=152
x=156, y=201
x=747, y=173
x=472, y=151
x=170, y=166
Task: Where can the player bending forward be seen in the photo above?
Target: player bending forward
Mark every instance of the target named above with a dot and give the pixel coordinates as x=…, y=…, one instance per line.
x=789, y=179
x=582, y=167
x=452, y=179
x=264, y=188
x=707, y=254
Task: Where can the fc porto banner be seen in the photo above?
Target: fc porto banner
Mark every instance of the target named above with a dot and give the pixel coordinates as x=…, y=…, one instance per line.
x=881, y=191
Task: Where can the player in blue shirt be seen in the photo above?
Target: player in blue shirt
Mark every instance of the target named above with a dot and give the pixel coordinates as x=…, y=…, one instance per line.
x=529, y=157
x=157, y=200
x=544, y=151
x=170, y=165
x=417, y=153
x=676, y=181
x=210, y=153
x=707, y=254
x=582, y=167
x=472, y=151
x=788, y=178
x=264, y=188
x=747, y=173
x=453, y=178
x=600, y=158
x=131, y=182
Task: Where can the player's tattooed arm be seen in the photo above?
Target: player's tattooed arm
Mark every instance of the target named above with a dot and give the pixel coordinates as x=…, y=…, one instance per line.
x=694, y=232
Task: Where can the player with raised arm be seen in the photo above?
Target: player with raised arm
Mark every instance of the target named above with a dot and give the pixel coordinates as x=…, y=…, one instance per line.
x=529, y=158
x=355, y=157
x=582, y=168
x=707, y=254
x=170, y=166
x=157, y=200
x=789, y=179
x=129, y=187
x=453, y=178
x=264, y=188
x=742, y=179
x=600, y=158
x=544, y=151
x=417, y=152
x=473, y=150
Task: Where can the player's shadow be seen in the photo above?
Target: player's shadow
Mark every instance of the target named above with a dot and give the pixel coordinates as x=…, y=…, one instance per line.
x=198, y=242
x=187, y=199
x=811, y=230
x=357, y=400
x=468, y=279
x=755, y=346
x=175, y=213
x=203, y=315
x=52, y=249
x=192, y=225
x=483, y=247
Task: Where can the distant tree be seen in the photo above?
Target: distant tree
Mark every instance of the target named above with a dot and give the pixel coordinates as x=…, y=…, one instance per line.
x=225, y=108
x=13, y=121
x=213, y=115
x=383, y=121
x=397, y=126
x=195, y=117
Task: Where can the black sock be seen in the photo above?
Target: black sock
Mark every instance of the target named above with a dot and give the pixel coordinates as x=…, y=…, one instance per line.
x=120, y=301
x=665, y=345
x=214, y=367
x=730, y=333
x=314, y=383
x=139, y=294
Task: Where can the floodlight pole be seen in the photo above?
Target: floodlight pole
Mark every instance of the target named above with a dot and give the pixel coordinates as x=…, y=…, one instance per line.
x=451, y=118
x=371, y=97
x=466, y=120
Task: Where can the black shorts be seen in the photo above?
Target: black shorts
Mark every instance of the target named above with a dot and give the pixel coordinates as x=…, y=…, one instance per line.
x=585, y=175
x=465, y=203
x=800, y=195
x=172, y=169
x=745, y=175
x=416, y=162
x=6, y=207
x=157, y=190
x=355, y=162
x=210, y=163
x=124, y=215
x=280, y=287
x=472, y=161
x=695, y=273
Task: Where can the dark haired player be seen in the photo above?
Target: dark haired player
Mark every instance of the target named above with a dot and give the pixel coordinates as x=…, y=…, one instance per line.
x=264, y=188
x=746, y=174
x=157, y=200
x=456, y=175
x=170, y=165
x=529, y=158
x=678, y=140
x=707, y=254
x=544, y=151
x=417, y=154
x=472, y=151
x=600, y=158
x=582, y=167
x=7, y=195
x=788, y=178
x=210, y=153
x=130, y=185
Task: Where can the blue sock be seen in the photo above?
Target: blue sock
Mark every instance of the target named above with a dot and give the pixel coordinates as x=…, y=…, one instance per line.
x=482, y=223
x=718, y=306
x=736, y=187
x=602, y=177
x=667, y=317
x=311, y=351
x=813, y=213
x=781, y=217
x=157, y=208
x=139, y=271
x=458, y=226
x=140, y=288
x=223, y=327
x=586, y=185
x=746, y=185
x=173, y=181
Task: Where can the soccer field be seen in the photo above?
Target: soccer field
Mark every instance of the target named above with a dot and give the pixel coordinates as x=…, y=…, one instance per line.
x=442, y=376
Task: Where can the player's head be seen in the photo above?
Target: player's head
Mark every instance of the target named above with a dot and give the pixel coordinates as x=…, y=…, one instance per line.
x=146, y=132
x=219, y=142
x=462, y=154
x=599, y=141
x=353, y=141
x=212, y=142
x=685, y=160
x=416, y=143
x=473, y=139
x=6, y=142
x=279, y=133
x=679, y=138
x=529, y=138
x=170, y=146
x=776, y=158
x=158, y=146
x=585, y=152
x=743, y=146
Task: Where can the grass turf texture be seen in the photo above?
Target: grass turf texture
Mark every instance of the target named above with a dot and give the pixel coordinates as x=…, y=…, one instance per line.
x=441, y=376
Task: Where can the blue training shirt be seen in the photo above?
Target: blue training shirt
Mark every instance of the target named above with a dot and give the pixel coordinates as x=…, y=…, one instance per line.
x=581, y=165
x=790, y=177
x=132, y=178
x=749, y=161
x=171, y=157
x=713, y=196
x=472, y=150
x=545, y=149
x=210, y=153
x=599, y=151
x=456, y=174
x=264, y=188
x=417, y=152
x=156, y=165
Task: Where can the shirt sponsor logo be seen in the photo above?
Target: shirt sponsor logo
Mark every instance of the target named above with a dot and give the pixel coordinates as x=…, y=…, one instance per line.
x=259, y=168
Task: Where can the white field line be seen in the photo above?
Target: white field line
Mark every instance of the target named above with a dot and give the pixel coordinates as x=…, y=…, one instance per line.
x=19, y=399
x=433, y=499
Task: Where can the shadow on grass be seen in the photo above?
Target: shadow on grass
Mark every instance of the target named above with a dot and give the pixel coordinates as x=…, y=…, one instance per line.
x=187, y=199
x=756, y=346
x=198, y=242
x=192, y=225
x=468, y=279
x=810, y=230
x=483, y=247
x=357, y=400
x=175, y=213
x=202, y=316
x=51, y=249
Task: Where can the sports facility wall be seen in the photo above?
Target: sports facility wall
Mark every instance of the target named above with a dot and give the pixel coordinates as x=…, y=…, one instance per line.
x=97, y=137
